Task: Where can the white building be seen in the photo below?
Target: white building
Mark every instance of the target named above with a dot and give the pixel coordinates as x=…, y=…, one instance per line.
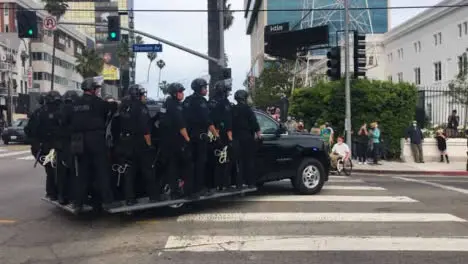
x=70, y=43
x=426, y=50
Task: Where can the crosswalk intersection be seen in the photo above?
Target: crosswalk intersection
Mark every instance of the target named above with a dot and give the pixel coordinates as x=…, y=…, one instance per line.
x=22, y=154
x=348, y=215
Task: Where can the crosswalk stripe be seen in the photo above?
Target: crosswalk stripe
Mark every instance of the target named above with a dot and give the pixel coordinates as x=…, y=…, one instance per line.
x=320, y=217
x=325, y=198
x=344, y=180
x=27, y=158
x=15, y=153
x=314, y=243
x=354, y=188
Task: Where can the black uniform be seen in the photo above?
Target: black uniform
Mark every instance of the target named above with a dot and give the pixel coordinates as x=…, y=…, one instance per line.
x=131, y=148
x=65, y=164
x=245, y=125
x=198, y=119
x=87, y=126
x=31, y=129
x=49, y=134
x=174, y=151
x=221, y=114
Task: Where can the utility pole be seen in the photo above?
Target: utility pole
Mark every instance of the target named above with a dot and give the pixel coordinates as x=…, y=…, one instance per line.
x=347, y=81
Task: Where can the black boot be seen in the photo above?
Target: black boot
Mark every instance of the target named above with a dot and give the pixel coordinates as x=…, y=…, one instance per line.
x=447, y=159
x=441, y=158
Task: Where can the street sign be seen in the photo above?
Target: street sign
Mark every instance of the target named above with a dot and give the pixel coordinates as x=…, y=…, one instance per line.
x=277, y=28
x=50, y=23
x=30, y=78
x=147, y=47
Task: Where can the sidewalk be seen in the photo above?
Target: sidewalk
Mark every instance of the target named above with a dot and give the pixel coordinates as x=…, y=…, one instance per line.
x=430, y=168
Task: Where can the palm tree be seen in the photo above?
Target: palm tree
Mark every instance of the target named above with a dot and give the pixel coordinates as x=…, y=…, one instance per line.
x=89, y=63
x=139, y=39
x=213, y=31
x=124, y=53
x=163, y=86
x=151, y=57
x=228, y=15
x=56, y=8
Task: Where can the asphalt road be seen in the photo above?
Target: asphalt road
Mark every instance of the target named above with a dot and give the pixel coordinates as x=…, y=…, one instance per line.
x=361, y=219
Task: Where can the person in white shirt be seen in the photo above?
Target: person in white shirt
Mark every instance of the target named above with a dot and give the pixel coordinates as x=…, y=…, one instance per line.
x=339, y=150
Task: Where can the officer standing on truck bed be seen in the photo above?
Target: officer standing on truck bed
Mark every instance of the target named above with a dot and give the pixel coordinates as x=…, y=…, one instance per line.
x=198, y=119
x=245, y=130
x=134, y=145
x=175, y=140
x=87, y=121
x=221, y=114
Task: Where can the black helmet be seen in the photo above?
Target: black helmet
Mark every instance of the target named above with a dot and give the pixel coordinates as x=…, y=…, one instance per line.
x=53, y=96
x=241, y=96
x=42, y=98
x=70, y=96
x=90, y=84
x=222, y=88
x=134, y=91
x=175, y=88
x=198, y=84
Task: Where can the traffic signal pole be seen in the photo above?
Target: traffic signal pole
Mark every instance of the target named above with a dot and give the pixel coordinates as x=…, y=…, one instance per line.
x=347, y=79
x=172, y=44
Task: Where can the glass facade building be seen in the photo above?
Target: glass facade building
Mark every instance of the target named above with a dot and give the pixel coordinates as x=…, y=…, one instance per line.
x=365, y=20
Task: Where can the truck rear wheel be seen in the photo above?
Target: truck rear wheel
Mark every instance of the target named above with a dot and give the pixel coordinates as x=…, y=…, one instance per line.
x=310, y=177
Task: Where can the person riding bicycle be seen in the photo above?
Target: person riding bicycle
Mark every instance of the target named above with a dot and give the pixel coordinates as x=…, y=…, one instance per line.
x=339, y=150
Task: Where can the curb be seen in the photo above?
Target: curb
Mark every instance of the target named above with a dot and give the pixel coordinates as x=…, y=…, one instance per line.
x=413, y=172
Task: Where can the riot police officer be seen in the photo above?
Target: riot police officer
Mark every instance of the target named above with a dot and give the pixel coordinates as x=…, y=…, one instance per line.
x=134, y=145
x=31, y=129
x=245, y=130
x=174, y=139
x=49, y=134
x=221, y=114
x=197, y=114
x=65, y=165
x=87, y=122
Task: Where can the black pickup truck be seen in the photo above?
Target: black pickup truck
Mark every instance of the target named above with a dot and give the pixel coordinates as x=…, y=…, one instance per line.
x=284, y=154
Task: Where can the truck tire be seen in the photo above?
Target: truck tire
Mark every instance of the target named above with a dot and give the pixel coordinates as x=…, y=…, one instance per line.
x=310, y=177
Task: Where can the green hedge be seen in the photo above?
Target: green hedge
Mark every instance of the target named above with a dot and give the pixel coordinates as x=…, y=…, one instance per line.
x=393, y=105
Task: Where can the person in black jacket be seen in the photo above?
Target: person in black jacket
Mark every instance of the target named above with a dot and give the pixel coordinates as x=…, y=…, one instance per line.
x=245, y=129
x=87, y=123
x=415, y=136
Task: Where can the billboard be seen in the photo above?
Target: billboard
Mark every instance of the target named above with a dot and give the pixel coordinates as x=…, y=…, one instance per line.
x=108, y=49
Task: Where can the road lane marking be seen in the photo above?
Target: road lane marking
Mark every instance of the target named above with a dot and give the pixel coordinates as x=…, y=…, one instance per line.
x=325, y=198
x=5, y=221
x=15, y=153
x=320, y=217
x=344, y=180
x=353, y=188
x=441, y=186
x=314, y=243
x=27, y=158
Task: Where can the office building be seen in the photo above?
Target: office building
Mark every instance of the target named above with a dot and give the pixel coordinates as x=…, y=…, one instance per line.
x=370, y=21
x=97, y=12
x=70, y=43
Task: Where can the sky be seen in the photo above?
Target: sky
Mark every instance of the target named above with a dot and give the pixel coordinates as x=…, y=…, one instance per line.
x=190, y=30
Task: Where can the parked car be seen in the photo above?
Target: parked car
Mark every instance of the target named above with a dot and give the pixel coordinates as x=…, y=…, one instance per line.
x=15, y=132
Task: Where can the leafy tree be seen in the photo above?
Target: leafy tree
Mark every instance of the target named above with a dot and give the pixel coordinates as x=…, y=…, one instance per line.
x=139, y=39
x=124, y=53
x=458, y=88
x=57, y=8
x=89, y=63
x=274, y=81
x=393, y=105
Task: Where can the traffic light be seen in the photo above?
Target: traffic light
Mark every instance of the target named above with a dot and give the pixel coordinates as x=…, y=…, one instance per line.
x=360, y=60
x=334, y=63
x=113, y=28
x=27, y=24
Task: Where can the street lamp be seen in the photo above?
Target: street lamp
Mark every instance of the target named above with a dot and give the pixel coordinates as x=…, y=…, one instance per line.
x=161, y=64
